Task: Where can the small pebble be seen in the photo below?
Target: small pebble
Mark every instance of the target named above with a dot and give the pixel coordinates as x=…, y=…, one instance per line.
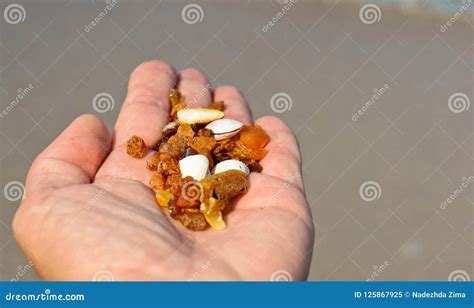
x=136, y=147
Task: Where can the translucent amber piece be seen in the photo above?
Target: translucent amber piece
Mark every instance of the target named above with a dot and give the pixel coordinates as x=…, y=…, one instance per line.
x=247, y=154
x=193, y=221
x=215, y=220
x=153, y=161
x=217, y=105
x=164, y=198
x=157, y=181
x=254, y=137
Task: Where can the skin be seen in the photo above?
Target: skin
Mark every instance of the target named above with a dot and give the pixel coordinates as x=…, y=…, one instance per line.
x=88, y=209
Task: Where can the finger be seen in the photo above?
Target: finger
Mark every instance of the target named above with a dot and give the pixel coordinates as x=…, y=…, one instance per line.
x=195, y=88
x=283, y=159
x=146, y=107
x=235, y=105
x=73, y=158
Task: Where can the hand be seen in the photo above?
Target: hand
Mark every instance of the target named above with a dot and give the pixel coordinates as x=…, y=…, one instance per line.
x=88, y=211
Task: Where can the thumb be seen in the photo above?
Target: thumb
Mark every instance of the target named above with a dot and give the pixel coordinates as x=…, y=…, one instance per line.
x=73, y=158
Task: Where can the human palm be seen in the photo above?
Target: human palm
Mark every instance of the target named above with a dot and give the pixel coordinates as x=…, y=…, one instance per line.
x=89, y=214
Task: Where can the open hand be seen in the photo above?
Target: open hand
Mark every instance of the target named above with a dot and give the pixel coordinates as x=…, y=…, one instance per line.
x=89, y=213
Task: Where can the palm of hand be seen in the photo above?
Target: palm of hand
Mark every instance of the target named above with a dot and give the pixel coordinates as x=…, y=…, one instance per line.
x=88, y=213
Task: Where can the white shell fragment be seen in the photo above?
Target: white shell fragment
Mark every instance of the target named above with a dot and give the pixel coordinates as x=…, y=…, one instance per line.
x=231, y=164
x=196, y=166
x=170, y=125
x=199, y=115
x=225, y=128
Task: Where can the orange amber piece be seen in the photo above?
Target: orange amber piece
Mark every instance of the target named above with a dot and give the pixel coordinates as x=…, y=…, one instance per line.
x=217, y=105
x=254, y=137
x=136, y=147
x=200, y=143
x=247, y=154
x=164, y=198
x=157, y=181
x=153, y=161
x=185, y=131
